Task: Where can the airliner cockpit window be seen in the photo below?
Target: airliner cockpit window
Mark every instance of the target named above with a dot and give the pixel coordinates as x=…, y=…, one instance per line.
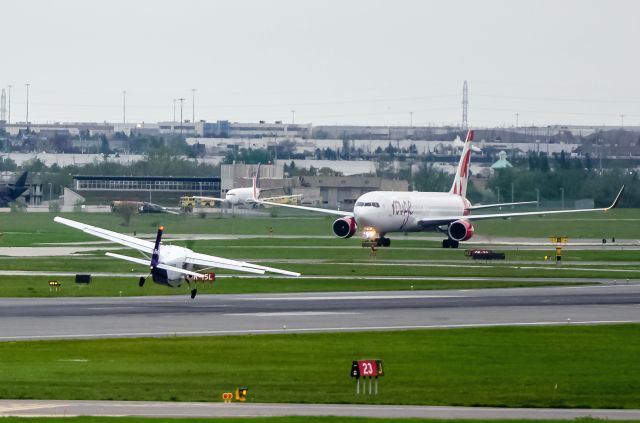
x=367, y=204
x=359, y=204
x=375, y=204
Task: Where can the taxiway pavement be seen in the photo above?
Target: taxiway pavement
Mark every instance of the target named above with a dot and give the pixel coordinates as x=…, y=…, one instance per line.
x=63, y=408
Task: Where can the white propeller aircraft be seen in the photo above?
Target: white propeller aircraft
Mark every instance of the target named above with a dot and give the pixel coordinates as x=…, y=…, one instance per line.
x=383, y=212
x=169, y=265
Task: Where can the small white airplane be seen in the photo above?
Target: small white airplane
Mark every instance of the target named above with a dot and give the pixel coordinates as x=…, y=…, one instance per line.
x=169, y=265
x=245, y=196
x=383, y=212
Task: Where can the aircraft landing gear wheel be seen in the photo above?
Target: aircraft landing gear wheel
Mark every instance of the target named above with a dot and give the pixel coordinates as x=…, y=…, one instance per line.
x=450, y=243
x=193, y=293
x=386, y=242
x=141, y=281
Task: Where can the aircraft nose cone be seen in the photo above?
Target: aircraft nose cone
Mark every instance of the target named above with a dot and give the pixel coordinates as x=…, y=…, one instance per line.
x=362, y=215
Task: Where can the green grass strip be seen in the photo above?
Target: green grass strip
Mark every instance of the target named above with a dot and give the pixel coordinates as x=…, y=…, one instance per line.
x=562, y=366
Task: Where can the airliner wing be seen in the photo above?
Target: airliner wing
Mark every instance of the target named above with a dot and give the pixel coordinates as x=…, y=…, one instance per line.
x=126, y=240
x=292, y=206
x=437, y=221
x=282, y=197
x=219, y=262
x=488, y=206
x=313, y=209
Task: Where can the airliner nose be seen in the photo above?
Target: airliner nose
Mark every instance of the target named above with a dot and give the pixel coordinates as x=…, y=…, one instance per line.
x=362, y=215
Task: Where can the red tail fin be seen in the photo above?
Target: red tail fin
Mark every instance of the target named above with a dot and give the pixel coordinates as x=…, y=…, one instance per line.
x=459, y=186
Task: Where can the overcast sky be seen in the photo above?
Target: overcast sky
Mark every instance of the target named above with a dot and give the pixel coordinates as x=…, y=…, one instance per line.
x=344, y=62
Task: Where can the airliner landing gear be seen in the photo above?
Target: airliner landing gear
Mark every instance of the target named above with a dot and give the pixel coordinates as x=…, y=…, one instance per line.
x=141, y=281
x=377, y=242
x=450, y=243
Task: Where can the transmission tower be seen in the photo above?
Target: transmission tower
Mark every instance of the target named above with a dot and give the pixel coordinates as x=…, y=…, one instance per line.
x=3, y=106
x=465, y=105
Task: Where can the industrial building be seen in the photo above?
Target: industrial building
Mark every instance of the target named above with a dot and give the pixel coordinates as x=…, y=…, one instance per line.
x=165, y=190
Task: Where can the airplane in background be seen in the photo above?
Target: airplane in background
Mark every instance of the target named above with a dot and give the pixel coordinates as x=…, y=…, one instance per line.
x=379, y=213
x=10, y=192
x=141, y=207
x=245, y=196
x=169, y=265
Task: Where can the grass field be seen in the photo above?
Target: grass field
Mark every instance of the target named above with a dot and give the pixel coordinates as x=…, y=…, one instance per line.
x=568, y=366
x=27, y=229
x=327, y=257
x=38, y=286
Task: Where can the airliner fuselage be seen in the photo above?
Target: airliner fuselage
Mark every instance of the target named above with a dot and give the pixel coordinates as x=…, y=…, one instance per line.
x=391, y=211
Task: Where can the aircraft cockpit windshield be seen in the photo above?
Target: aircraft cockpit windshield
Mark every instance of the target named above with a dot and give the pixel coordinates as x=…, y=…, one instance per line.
x=362, y=204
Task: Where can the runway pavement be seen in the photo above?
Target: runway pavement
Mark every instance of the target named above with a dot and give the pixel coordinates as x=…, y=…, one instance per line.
x=62, y=408
x=57, y=318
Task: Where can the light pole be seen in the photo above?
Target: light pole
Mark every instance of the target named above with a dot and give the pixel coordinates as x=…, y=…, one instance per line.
x=193, y=106
x=9, y=121
x=27, y=85
x=50, y=188
x=537, y=198
x=622, y=120
x=517, y=116
x=181, y=102
x=174, y=110
x=498, y=194
x=124, y=108
x=562, y=197
x=411, y=119
x=293, y=117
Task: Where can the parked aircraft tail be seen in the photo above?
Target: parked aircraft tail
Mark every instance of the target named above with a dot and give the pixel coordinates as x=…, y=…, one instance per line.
x=256, y=184
x=21, y=181
x=459, y=186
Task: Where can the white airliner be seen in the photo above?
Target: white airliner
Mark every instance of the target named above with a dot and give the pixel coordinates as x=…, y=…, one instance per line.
x=169, y=265
x=245, y=196
x=381, y=212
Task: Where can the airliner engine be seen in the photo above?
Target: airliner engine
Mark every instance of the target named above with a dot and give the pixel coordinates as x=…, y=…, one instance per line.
x=345, y=227
x=461, y=230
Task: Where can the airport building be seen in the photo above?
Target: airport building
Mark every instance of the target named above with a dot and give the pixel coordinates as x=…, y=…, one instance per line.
x=342, y=191
x=164, y=190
